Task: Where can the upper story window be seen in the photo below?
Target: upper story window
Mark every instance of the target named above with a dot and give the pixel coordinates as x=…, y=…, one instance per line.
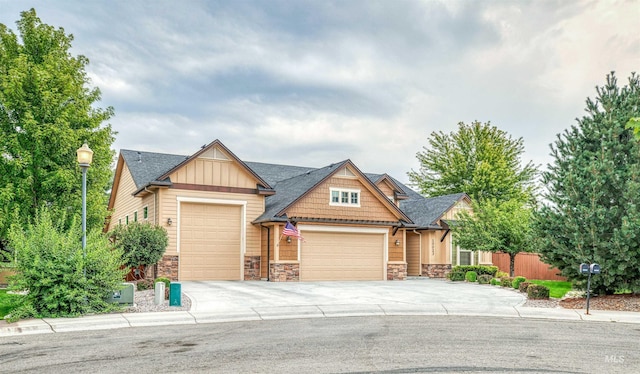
x=344, y=197
x=145, y=212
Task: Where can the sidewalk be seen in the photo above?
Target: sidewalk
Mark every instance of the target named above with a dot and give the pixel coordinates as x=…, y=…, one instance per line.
x=215, y=302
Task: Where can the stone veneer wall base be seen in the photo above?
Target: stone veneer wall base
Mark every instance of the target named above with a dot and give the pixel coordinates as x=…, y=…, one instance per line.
x=436, y=270
x=168, y=267
x=396, y=271
x=284, y=272
x=251, y=268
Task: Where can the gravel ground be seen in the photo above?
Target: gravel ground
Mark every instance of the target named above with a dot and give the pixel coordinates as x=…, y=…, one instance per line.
x=144, y=302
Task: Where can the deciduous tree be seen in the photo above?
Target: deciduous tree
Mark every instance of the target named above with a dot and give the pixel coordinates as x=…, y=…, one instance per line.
x=47, y=110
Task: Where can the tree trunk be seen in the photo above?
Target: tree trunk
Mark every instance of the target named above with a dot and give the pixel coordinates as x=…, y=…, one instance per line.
x=512, y=264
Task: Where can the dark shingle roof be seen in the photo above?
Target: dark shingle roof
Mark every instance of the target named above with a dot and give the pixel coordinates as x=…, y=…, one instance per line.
x=145, y=167
x=290, y=183
x=289, y=190
x=425, y=211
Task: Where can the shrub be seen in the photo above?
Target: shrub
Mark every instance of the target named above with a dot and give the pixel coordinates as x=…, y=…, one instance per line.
x=471, y=276
x=478, y=269
x=537, y=291
x=501, y=274
x=145, y=284
x=506, y=282
x=516, y=282
x=142, y=243
x=523, y=286
x=456, y=276
x=495, y=282
x=50, y=265
x=484, y=278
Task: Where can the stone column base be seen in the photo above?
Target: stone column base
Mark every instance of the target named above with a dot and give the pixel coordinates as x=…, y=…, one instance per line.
x=284, y=272
x=252, y=268
x=436, y=270
x=397, y=271
x=168, y=267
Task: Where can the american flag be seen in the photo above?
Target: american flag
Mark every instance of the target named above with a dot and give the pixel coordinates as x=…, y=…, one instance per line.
x=290, y=230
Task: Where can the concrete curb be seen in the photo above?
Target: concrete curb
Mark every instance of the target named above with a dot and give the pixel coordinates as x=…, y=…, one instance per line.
x=116, y=321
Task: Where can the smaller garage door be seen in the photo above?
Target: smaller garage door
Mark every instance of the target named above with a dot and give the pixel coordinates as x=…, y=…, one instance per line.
x=341, y=256
x=210, y=242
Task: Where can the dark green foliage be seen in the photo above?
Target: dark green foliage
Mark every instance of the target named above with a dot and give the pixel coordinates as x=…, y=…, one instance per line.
x=478, y=159
x=484, y=278
x=47, y=111
x=523, y=286
x=456, y=276
x=496, y=281
x=49, y=264
x=537, y=291
x=592, y=214
x=506, y=282
x=145, y=284
x=516, y=282
x=471, y=276
x=142, y=243
x=479, y=269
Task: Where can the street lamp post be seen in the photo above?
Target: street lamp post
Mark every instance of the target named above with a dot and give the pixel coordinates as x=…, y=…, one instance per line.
x=85, y=156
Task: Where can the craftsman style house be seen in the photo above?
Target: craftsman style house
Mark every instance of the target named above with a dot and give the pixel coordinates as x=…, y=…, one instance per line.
x=225, y=219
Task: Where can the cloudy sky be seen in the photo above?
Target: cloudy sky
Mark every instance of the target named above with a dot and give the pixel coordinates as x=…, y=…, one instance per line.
x=315, y=82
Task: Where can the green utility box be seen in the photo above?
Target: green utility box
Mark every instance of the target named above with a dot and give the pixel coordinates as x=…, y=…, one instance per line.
x=122, y=296
x=175, y=294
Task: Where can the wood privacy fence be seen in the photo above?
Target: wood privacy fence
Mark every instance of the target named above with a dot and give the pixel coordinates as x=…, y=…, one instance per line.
x=527, y=265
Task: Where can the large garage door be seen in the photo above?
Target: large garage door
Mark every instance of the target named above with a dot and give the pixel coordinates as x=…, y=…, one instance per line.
x=341, y=256
x=210, y=242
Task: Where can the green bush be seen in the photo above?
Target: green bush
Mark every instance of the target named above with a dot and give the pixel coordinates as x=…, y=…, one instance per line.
x=506, y=282
x=145, y=284
x=455, y=276
x=523, y=287
x=495, y=282
x=471, y=276
x=478, y=269
x=484, y=278
x=142, y=243
x=537, y=291
x=50, y=265
x=501, y=274
x=516, y=282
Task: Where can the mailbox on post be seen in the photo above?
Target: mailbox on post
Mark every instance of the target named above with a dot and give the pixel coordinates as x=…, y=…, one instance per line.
x=584, y=268
x=589, y=269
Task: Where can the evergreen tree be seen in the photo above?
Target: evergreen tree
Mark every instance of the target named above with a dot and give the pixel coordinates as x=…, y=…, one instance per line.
x=592, y=213
x=47, y=111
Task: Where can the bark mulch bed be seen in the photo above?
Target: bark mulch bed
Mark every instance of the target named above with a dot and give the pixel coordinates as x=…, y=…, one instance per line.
x=628, y=303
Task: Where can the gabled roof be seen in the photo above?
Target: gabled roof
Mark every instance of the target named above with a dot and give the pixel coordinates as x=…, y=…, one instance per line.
x=146, y=167
x=427, y=211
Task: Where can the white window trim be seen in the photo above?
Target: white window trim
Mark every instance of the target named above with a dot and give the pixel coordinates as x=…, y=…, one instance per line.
x=466, y=250
x=147, y=217
x=350, y=191
x=243, y=225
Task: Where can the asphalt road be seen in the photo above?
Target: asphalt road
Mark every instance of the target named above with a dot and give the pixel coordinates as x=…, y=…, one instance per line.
x=336, y=345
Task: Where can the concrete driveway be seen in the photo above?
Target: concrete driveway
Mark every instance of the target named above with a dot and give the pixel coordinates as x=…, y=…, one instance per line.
x=422, y=295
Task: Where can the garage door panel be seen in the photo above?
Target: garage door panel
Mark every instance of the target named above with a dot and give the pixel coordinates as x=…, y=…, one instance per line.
x=342, y=256
x=210, y=242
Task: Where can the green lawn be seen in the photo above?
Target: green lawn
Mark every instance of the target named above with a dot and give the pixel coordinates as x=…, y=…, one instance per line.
x=557, y=289
x=5, y=303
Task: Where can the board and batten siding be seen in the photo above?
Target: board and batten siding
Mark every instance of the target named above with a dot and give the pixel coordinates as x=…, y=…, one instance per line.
x=316, y=203
x=211, y=172
x=169, y=209
x=125, y=204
